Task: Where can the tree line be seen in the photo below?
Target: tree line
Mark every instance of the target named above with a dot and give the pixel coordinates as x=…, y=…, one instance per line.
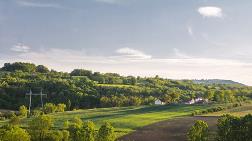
x=86, y=89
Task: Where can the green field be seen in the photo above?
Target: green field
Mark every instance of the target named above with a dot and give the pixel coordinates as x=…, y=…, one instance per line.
x=125, y=119
x=128, y=119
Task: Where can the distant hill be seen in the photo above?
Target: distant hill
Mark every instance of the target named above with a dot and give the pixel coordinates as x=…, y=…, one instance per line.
x=216, y=81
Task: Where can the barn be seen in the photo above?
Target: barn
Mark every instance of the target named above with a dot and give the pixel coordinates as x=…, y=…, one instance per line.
x=159, y=102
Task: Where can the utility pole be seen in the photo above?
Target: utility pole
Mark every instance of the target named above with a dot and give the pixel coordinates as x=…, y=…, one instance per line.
x=34, y=94
x=30, y=93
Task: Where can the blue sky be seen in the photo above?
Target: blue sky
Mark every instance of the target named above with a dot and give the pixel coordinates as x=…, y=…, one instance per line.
x=178, y=39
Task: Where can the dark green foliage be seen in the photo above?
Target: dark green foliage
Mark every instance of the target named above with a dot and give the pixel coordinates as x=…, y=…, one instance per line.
x=231, y=128
x=118, y=101
x=81, y=72
x=42, y=69
x=19, y=66
x=198, y=132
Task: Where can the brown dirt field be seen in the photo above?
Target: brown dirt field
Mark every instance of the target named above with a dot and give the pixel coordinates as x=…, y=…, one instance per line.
x=170, y=130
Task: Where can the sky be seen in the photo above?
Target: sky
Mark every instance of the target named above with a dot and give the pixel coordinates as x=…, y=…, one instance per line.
x=176, y=39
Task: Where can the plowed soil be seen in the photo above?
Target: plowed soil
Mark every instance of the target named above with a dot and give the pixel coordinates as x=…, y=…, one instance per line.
x=170, y=130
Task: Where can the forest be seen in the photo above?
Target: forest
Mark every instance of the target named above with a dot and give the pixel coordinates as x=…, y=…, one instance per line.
x=86, y=89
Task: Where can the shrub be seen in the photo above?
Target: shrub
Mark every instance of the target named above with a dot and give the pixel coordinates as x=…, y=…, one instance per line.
x=66, y=135
x=74, y=128
x=14, y=120
x=61, y=107
x=2, y=116
x=49, y=108
x=88, y=131
x=23, y=111
x=15, y=133
x=106, y=133
x=37, y=112
x=198, y=132
x=236, y=105
x=54, y=136
x=8, y=115
x=40, y=126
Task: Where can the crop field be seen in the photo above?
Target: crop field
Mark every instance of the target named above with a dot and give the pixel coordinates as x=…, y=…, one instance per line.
x=169, y=130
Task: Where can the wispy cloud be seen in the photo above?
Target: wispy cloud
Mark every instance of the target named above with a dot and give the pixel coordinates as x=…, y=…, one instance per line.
x=109, y=1
x=20, y=48
x=210, y=11
x=180, y=67
x=38, y=4
x=190, y=30
x=132, y=53
x=206, y=37
x=179, y=54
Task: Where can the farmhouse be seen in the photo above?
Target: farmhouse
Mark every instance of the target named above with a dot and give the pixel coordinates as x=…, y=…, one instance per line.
x=159, y=102
x=197, y=100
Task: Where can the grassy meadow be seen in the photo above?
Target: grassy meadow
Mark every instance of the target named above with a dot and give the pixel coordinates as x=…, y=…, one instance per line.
x=124, y=119
x=128, y=119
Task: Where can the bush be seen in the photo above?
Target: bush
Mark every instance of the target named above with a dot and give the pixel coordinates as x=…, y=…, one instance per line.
x=15, y=133
x=66, y=135
x=61, y=107
x=49, y=108
x=54, y=136
x=37, y=112
x=74, y=128
x=8, y=115
x=2, y=116
x=40, y=126
x=106, y=133
x=198, y=132
x=210, y=110
x=23, y=111
x=14, y=120
x=87, y=132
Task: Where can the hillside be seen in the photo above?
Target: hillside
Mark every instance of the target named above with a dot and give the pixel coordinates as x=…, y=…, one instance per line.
x=217, y=81
x=86, y=89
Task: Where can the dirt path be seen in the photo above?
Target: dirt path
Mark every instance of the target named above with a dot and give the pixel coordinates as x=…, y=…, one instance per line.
x=171, y=130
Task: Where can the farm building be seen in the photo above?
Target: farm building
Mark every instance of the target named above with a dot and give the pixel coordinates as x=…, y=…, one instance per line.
x=197, y=100
x=159, y=102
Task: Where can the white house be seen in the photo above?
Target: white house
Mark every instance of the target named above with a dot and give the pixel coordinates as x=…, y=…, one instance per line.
x=197, y=100
x=192, y=101
x=159, y=102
